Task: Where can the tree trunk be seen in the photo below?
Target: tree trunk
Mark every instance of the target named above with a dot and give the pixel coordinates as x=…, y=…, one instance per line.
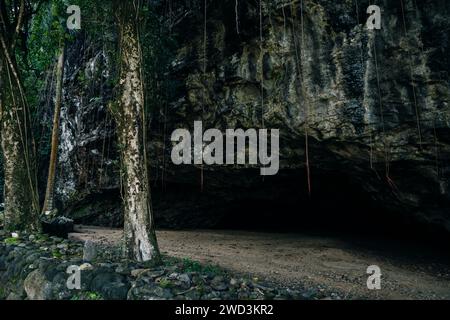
x=20, y=192
x=48, y=201
x=139, y=233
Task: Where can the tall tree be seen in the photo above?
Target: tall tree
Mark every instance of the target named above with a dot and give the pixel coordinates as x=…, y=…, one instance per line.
x=48, y=201
x=139, y=232
x=21, y=197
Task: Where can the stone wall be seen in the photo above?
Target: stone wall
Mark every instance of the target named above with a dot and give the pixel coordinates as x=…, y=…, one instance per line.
x=34, y=267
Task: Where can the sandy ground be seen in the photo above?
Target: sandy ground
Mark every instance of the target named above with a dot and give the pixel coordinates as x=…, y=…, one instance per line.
x=329, y=264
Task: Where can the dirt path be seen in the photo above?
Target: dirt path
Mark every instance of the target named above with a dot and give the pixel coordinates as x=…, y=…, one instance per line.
x=323, y=263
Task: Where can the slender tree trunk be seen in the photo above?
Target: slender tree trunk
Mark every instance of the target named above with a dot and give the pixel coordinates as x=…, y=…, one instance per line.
x=139, y=233
x=48, y=202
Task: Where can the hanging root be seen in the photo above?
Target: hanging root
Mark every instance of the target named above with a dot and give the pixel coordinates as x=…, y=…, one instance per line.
x=419, y=129
x=236, y=9
x=436, y=150
x=306, y=127
x=262, y=60
x=204, y=80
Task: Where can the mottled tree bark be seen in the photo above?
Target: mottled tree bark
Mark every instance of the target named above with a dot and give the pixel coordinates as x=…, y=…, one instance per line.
x=140, y=239
x=20, y=193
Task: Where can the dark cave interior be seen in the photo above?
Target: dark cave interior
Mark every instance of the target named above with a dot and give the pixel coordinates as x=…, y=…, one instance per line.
x=337, y=206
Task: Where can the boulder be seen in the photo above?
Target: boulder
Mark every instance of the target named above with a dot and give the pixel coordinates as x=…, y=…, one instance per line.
x=37, y=286
x=59, y=226
x=89, y=251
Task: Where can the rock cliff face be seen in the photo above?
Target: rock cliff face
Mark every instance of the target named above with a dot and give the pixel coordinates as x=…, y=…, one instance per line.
x=88, y=159
x=374, y=105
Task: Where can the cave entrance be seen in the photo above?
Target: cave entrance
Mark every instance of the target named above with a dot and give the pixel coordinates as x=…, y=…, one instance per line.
x=338, y=205
x=281, y=204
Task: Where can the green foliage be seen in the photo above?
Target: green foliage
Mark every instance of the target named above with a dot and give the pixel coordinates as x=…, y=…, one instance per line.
x=189, y=265
x=47, y=33
x=11, y=241
x=195, y=266
x=87, y=295
x=97, y=18
x=56, y=254
x=94, y=296
x=165, y=283
x=98, y=23
x=158, y=48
